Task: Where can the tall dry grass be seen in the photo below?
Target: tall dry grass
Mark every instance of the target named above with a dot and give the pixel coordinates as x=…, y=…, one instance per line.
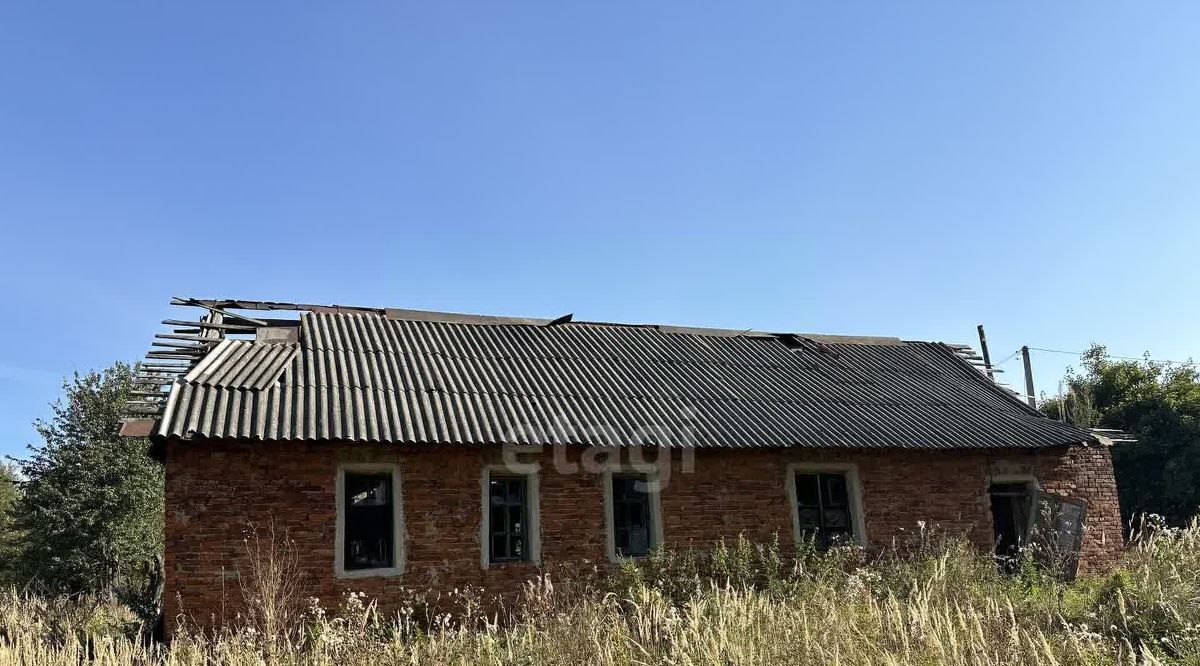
x=937, y=602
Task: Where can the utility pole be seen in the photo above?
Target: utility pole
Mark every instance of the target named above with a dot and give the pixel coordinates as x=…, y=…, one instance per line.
x=987, y=358
x=1028, y=378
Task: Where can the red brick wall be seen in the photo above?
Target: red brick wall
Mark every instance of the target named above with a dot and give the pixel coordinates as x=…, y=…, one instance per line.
x=1087, y=473
x=216, y=490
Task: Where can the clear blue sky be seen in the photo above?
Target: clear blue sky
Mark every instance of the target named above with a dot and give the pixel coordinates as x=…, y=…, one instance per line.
x=899, y=168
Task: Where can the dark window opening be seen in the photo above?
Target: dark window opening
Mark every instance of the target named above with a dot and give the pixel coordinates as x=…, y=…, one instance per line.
x=823, y=508
x=508, y=517
x=369, y=521
x=1012, y=515
x=631, y=519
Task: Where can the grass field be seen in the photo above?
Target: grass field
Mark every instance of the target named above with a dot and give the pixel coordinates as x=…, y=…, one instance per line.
x=935, y=603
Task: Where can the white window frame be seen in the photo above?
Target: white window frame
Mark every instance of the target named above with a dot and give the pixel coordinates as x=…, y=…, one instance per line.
x=530, y=471
x=398, y=531
x=853, y=490
x=654, y=493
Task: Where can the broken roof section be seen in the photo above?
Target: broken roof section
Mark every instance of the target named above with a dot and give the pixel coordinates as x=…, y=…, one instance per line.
x=383, y=375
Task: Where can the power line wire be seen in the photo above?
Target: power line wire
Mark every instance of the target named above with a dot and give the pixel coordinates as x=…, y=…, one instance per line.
x=1123, y=358
x=1007, y=358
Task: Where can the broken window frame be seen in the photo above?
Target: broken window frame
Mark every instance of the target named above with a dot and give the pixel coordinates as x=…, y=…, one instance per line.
x=855, y=529
x=514, y=533
x=856, y=532
x=393, y=513
x=629, y=499
x=531, y=545
x=825, y=506
x=647, y=475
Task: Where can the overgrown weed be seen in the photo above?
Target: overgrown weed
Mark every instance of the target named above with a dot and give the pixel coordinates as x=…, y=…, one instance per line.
x=932, y=600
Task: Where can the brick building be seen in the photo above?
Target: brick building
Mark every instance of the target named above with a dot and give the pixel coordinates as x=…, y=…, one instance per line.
x=404, y=449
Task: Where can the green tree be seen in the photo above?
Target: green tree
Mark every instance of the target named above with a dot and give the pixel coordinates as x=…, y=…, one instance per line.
x=10, y=539
x=1159, y=404
x=91, y=510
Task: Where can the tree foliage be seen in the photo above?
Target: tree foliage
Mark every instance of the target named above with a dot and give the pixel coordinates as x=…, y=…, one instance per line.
x=10, y=538
x=91, y=510
x=1159, y=404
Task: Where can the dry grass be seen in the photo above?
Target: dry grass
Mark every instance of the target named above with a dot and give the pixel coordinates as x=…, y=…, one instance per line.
x=936, y=604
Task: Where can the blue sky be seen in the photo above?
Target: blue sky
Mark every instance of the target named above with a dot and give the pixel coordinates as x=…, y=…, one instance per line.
x=907, y=169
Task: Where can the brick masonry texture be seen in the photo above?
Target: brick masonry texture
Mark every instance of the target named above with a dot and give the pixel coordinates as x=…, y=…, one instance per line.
x=216, y=490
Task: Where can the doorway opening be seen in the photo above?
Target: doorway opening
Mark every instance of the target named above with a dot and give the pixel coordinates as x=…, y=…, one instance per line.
x=1012, y=516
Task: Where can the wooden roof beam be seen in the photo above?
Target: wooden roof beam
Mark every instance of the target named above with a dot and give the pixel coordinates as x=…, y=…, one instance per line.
x=176, y=300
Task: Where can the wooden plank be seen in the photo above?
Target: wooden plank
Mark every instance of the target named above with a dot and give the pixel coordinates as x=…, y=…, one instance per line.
x=177, y=345
x=1028, y=377
x=987, y=358
x=235, y=304
x=135, y=409
x=176, y=300
x=205, y=324
x=171, y=336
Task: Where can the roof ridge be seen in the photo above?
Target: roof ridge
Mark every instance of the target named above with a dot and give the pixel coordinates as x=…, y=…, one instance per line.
x=440, y=316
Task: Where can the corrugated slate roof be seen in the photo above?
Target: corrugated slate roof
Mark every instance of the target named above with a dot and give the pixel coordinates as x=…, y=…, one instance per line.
x=242, y=364
x=375, y=378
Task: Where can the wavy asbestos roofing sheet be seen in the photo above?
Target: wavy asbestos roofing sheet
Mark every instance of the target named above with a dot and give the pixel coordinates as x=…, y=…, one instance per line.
x=371, y=378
